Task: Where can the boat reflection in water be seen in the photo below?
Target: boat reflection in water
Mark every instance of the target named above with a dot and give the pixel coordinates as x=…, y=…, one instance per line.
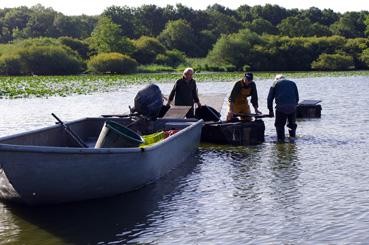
x=117, y=219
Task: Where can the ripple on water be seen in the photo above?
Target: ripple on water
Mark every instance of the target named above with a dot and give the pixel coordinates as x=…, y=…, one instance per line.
x=311, y=191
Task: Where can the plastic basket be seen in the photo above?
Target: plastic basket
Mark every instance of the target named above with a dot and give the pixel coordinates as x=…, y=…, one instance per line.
x=153, y=138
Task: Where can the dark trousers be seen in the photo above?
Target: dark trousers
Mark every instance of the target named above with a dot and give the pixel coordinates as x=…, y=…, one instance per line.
x=280, y=121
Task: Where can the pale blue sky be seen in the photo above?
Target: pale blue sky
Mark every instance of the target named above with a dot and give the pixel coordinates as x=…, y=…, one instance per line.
x=93, y=7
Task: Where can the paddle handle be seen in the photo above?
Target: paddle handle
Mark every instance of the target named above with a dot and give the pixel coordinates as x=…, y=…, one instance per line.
x=70, y=132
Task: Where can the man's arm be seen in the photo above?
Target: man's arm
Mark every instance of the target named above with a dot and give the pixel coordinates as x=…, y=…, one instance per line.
x=172, y=94
x=230, y=112
x=195, y=94
x=234, y=93
x=254, y=98
x=297, y=95
x=271, y=96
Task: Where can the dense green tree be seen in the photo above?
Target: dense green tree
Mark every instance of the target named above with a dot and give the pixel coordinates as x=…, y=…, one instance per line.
x=115, y=63
x=320, y=30
x=364, y=57
x=15, y=46
x=222, y=10
x=179, y=35
x=125, y=18
x=81, y=47
x=5, y=34
x=41, y=56
x=350, y=25
x=223, y=24
x=199, y=20
x=206, y=40
x=328, y=17
x=171, y=58
x=262, y=26
x=152, y=19
x=10, y=65
x=87, y=24
x=333, y=62
x=355, y=48
x=366, y=23
x=236, y=49
x=106, y=38
x=147, y=48
x=305, y=34
x=17, y=18
x=272, y=52
x=71, y=26
x=296, y=53
x=40, y=23
x=313, y=14
x=324, y=17
x=244, y=13
x=295, y=27
x=51, y=60
x=272, y=13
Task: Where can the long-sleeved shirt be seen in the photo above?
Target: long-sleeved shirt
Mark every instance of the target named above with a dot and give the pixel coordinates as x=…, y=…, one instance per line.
x=250, y=90
x=185, y=92
x=286, y=96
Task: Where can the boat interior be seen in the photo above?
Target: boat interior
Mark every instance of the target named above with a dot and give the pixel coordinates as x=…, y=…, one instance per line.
x=88, y=130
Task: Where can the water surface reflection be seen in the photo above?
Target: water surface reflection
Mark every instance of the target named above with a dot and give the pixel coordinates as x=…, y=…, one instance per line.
x=314, y=191
x=117, y=219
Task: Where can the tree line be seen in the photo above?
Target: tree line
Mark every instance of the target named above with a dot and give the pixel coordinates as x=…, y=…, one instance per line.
x=39, y=40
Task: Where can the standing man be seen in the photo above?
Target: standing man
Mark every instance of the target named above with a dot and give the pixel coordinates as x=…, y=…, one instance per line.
x=286, y=98
x=238, y=99
x=185, y=92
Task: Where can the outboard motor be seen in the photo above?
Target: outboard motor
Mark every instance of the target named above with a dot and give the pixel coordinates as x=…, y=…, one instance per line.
x=148, y=101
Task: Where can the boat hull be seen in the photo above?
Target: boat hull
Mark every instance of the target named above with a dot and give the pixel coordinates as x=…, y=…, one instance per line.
x=44, y=175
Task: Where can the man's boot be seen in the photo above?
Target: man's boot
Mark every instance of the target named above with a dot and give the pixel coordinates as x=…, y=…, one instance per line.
x=280, y=134
x=292, y=133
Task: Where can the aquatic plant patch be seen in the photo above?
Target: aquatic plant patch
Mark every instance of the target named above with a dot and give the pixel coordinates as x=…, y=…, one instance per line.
x=45, y=86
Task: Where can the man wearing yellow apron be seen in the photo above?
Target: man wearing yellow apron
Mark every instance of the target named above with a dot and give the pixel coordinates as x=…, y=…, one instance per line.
x=238, y=104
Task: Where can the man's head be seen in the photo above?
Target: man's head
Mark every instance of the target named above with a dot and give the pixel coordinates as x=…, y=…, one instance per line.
x=187, y=73
x=248, y=77
x=279, y=77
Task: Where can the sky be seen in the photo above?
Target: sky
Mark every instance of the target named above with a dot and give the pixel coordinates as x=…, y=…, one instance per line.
x=96, y=7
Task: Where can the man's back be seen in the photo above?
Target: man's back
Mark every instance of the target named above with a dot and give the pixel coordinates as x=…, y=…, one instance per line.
x=285, y=94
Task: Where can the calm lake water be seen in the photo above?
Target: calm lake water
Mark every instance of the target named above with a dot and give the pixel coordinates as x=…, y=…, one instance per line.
x=315, y=190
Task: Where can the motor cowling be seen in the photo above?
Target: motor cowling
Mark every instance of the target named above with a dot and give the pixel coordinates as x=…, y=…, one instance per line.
x=149, y=101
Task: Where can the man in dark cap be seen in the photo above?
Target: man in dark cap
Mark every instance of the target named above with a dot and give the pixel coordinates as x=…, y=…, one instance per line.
x=238, y=103
x=286, y=97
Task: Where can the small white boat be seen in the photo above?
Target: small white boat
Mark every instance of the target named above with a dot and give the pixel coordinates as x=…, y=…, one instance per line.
x=46, y=166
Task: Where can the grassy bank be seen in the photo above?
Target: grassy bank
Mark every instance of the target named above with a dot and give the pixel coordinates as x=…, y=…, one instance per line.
x=44, y=86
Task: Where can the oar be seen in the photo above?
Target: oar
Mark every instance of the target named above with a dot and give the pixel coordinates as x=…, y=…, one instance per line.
x=251, y=115
x=70, y=132
x=120, y=115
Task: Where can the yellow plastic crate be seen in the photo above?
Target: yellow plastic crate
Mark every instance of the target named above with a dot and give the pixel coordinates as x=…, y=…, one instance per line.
x=151, y=139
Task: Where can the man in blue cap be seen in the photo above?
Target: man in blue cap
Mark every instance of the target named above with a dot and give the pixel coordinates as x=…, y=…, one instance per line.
x=286, y=97
x=238, y=103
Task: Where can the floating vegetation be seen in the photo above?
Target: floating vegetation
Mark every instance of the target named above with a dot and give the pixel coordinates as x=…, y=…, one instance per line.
x=45, y=86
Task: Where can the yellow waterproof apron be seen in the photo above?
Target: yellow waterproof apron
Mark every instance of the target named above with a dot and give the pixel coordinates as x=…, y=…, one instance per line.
x=241, y=104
